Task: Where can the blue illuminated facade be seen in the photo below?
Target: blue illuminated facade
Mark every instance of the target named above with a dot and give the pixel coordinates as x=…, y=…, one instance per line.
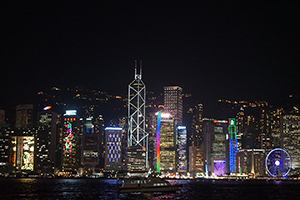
x=113, y=161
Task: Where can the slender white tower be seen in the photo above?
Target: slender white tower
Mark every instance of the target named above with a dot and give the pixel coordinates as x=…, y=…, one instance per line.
x=137, y=136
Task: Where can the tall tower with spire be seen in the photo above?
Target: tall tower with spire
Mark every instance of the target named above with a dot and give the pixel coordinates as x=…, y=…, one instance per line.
x=137, y=149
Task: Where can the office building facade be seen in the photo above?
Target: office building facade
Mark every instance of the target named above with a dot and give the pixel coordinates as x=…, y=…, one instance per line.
x=113, y=148
x=137, y=138
x=167, y=149
x=290, y=131
x=216, y=146
x=173, y=103
x=71, y=143
x=181, y=149
x=24, y=116
x=46, y=141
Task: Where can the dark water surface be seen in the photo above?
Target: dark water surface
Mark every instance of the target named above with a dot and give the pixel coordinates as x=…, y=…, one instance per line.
x=31, y=188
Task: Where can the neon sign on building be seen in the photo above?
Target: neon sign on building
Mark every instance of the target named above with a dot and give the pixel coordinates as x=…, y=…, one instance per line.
x=69, y=137
x=28, y=153
x=219, y=167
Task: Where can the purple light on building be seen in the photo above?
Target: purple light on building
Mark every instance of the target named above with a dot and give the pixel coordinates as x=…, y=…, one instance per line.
x=219, y=167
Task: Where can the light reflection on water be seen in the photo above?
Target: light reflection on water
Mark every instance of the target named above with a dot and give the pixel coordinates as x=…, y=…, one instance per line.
x=30, y=188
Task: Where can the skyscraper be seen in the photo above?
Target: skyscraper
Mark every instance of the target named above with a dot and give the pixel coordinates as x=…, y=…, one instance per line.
x=240, y=126
x=2, y=117
x=22, y=152
x=290, y=131
x=196, y=136
x=233, y=146
x=24, y=116
x=5, y=133
x=46, y=141
x=195, y=142
x=165, y=142
x=113, y=147
x=71, y=140
x=173, y=103
x=90, y=148
x=181, y=153
x=215, y=146
x=99, y=130
x=137, y=137
x=196, y=160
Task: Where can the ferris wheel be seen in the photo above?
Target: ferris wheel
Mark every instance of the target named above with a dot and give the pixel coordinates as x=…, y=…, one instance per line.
x=278, y=163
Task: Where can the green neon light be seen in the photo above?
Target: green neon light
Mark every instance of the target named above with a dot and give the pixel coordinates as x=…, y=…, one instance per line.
x=232, y=128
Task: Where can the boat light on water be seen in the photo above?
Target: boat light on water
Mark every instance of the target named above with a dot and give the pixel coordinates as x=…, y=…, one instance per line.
x=150, y=184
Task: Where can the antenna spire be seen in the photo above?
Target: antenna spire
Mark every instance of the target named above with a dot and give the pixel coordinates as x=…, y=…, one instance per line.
x=141, y=68
x=135, y=65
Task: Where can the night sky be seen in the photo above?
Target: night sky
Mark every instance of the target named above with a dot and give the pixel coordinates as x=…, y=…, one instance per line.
x=245, y=50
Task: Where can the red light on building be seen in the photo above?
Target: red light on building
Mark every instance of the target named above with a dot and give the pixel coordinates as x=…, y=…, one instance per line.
x=144, y=148
x=174, y=88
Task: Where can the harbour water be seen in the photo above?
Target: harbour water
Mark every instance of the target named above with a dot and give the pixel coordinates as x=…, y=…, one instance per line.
x=32, y=188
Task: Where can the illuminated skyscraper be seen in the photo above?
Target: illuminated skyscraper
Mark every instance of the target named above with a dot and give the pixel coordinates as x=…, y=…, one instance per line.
x=99, y=130
x=46, y=141
x=275, y=116
x=5, y=133
x=215, y=146
x=181, y=153
x=196, y=136
x=240, y=126
x=196, y=160
x=290, y=131
x=22, y=152
x=24, y=116
x=165, y=143
x=173, y=103
x=71, y=139
x=195, y=141
x=113, y=147
x=137, y=136
x=233, y=148
x=90, y=148
x=251, y=161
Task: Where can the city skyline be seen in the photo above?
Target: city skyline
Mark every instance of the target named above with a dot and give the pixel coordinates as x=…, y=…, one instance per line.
x=245, y=51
